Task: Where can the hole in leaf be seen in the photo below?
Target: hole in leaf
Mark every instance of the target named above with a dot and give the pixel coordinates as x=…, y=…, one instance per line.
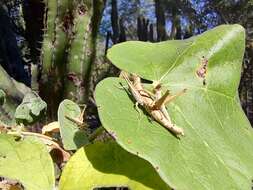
x=3, y=156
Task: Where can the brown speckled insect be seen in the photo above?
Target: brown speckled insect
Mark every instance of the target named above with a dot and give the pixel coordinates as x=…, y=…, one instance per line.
x=155, y=106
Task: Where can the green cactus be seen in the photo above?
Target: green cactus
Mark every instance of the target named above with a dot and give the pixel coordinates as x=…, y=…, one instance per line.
x=82, y=49
x=76, y=67
x=67, y=56
x=68, y=50
x=53, y=52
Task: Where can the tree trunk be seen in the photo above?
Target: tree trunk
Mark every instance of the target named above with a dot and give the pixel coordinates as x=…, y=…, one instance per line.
x=176, y=31
x=118, y=29
x=115, y=21
x=160, y=21
x=144, y=29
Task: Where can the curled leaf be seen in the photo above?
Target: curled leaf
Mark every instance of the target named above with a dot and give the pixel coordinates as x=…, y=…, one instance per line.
x=31, y=109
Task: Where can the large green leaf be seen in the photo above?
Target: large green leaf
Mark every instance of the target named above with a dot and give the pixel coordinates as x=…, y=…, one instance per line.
x=27, y=161
x=72, y=136
x=108, y=165
x=215, y=152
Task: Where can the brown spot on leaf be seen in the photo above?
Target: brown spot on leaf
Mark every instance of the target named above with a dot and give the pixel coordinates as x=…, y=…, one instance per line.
x=202, y=70
x=129, y=141
x=157, y=168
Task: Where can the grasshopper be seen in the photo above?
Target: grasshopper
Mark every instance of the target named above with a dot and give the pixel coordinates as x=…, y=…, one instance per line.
x=79, y=120
x=155, y=106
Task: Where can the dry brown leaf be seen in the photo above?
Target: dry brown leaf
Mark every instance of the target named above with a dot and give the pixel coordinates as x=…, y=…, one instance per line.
x=51, y=128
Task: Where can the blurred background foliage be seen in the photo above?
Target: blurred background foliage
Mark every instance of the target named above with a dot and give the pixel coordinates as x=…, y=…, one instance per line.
x=22, y=25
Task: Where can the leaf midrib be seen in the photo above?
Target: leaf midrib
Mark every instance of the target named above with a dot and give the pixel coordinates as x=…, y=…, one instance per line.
x=178, y=58
x=201, y=88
